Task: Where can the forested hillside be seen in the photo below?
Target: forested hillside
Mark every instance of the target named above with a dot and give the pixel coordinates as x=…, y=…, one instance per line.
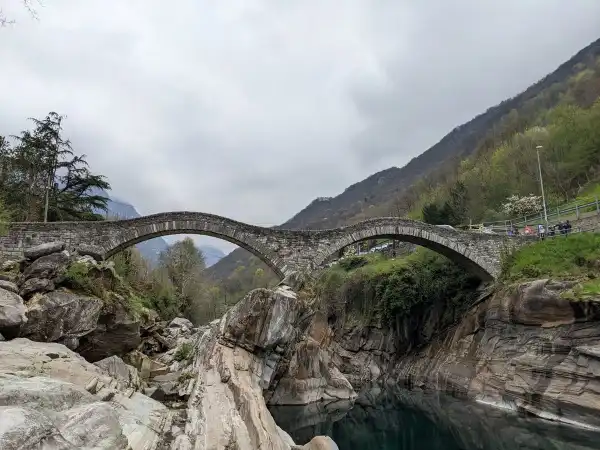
x=481, y=162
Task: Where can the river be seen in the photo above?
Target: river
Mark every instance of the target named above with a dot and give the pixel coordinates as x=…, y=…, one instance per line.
x=415, y=420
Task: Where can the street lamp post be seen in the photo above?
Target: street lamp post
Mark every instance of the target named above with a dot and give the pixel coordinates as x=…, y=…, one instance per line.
x=542, y=184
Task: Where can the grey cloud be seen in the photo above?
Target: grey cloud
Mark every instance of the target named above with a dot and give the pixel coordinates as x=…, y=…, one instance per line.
x=251, y=109
x=460, y=58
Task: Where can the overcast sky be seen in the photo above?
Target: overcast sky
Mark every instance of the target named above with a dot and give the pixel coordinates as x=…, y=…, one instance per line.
x=252, y=108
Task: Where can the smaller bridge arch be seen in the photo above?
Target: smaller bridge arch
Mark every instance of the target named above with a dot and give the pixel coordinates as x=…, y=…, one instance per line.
x=478, y=253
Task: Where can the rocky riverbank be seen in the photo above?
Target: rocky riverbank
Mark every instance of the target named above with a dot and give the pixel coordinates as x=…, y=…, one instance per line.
x=533, y=348
x=76, y=362
x=84, y=371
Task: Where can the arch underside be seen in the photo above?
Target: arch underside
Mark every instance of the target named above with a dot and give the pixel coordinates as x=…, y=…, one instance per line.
x=127, y=242
x=460, y=254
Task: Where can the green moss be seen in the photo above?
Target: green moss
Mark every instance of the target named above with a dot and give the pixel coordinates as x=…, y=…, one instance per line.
x=585, y=291
x=574, y=256
x=108, y=286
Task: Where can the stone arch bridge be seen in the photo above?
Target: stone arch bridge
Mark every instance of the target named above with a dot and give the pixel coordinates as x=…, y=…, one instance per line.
x=285, y=251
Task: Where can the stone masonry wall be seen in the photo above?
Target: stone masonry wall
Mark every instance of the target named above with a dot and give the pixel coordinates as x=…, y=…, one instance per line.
x=286, y=251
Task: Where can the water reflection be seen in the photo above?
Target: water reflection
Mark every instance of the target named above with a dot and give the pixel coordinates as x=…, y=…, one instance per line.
x=414, y=420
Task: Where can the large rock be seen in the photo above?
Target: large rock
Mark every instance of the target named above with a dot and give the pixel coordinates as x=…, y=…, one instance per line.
x=33, y=285
x=12, y=312
x=91, y=250
x=265, y=320
x=311, y=374
x=61, y=316
x=22, y=428
x=148, y=368
x=52, y=398
x=9, y=286
x=47, y=267
x=27, y=358
x=529, y=345
x=48, y=248
x=234, y=360
x=116, y=368
x=311, y=377
x=117, y=333
x=180, y=322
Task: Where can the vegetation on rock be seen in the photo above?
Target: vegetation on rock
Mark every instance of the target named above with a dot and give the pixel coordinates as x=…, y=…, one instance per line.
x=386, y=290
x=177, y=287
x=575, y=256
x=184, y=352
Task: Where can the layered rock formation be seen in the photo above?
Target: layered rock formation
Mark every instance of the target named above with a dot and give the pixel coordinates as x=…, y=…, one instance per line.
x=533, y=348
x=238, y=357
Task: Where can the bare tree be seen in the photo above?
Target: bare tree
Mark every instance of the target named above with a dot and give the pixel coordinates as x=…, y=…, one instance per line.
x=30, y=5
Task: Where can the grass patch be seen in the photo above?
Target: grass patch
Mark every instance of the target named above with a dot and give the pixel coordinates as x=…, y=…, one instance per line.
x=575, y=256
x=184, y=352
x=584, y=291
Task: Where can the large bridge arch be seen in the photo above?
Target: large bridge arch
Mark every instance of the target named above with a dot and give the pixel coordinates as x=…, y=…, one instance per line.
x=133, y=231
x=478, y=253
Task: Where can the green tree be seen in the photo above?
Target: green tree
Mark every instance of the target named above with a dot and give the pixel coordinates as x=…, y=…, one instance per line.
x=41, y=177
x=456, y=206
x=183, y=263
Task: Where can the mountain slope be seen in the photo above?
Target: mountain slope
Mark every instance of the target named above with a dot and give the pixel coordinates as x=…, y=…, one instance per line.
x=384, y=193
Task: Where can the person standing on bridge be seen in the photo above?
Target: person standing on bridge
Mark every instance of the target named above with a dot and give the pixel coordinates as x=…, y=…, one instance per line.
x=541, y=231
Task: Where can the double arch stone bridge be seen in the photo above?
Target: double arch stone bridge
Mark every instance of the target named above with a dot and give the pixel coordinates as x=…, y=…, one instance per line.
x=285, y=251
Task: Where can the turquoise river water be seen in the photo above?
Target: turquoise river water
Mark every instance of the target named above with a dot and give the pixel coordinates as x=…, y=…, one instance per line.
x=414, y=420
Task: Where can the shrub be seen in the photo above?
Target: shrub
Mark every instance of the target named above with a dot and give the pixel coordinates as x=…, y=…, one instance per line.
x=353, y=262
x=184, y=352
x=389, y=290
x=78, y=277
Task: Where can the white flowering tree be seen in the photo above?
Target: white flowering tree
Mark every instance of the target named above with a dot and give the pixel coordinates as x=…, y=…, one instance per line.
x=522, y=206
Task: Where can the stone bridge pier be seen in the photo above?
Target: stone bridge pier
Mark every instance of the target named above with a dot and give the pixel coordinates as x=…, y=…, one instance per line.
x=285, y=251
